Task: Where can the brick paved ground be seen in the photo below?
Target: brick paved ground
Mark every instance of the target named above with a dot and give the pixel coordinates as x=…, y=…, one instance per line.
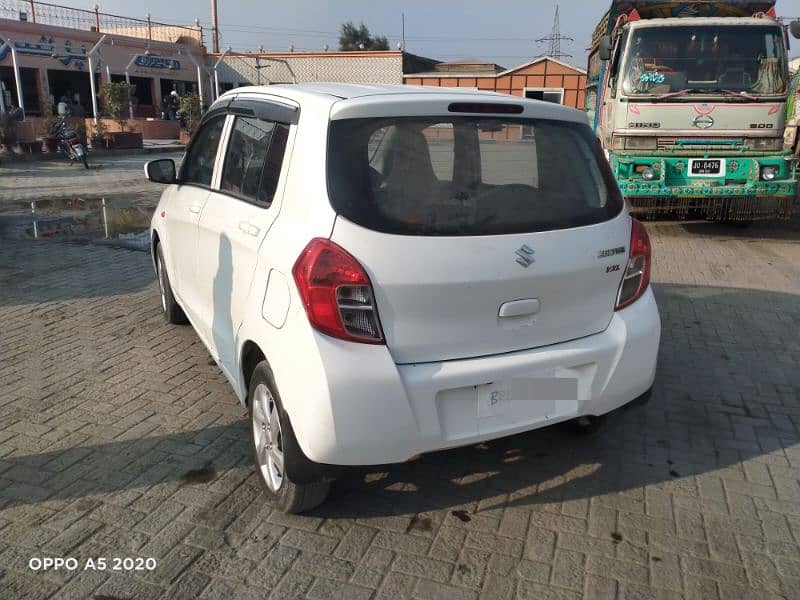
x=58, y=179
x=119, y=438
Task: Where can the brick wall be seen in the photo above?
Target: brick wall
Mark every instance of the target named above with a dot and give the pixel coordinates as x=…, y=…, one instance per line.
x=31, y=129
x=542, y=74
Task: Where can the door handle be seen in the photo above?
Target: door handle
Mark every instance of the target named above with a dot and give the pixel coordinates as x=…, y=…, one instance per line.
x=248, y=228
x=519, y=308
x=195, y=209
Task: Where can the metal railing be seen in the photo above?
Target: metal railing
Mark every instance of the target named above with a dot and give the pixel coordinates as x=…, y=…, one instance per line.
x=94, y=20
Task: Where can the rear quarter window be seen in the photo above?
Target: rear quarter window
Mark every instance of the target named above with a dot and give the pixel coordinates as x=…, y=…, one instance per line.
x=468, y=175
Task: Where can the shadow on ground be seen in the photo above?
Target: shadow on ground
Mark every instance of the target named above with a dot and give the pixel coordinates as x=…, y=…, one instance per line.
x=719, y=400
x=778, y=230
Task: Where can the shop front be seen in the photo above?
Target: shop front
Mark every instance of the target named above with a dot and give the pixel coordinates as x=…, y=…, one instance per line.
x=42, y=66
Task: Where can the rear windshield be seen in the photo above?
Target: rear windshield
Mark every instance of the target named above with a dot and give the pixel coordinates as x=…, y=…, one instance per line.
x=468, y=175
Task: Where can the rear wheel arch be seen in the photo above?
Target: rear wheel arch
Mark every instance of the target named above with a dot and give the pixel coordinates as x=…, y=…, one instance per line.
x=154, y=242
x=250, y=355
x=301, y=469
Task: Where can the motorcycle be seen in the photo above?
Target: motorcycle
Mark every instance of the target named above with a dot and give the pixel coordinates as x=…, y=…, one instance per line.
x=69, y=143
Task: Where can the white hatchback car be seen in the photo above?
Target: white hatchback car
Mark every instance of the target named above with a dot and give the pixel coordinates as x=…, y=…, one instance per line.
x=385, y=271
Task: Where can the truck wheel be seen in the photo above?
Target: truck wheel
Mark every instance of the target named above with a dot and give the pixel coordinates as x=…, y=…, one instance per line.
x=275, y=447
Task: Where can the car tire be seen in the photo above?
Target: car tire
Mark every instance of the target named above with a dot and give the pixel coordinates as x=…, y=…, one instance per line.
x=173, y=313
x=275, y=446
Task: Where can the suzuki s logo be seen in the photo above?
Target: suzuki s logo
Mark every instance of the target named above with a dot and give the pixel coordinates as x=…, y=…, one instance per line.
x=703, y=121
x=525, y=256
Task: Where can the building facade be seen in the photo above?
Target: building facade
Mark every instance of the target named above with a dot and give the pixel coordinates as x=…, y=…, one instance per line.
x=543, y=78
x=265, y=68
x=53, y=63
x=51, y=54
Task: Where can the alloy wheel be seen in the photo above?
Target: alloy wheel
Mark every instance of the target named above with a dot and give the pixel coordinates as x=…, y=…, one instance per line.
x=267, y=437
x=162, y=285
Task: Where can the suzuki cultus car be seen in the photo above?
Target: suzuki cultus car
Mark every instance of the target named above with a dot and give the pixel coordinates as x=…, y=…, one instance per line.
x=386, y=271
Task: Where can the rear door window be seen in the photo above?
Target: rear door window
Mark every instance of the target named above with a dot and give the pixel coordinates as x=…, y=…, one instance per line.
x=468, y=175
x=253, y=159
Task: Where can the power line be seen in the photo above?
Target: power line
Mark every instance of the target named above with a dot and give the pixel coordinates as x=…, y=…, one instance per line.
x=554, y=40
x=238, y=28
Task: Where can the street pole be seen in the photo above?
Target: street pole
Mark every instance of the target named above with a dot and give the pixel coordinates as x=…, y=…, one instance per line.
x=216, y=73
x=199, y=77
x=128, y=81
x=92, y=84
x=214, y=28
x=15, y=63
x=2, y=86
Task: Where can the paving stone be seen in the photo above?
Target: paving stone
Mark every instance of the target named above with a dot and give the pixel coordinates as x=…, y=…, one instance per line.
x=325, y=567
x=397, y=585
x=470, y=568
x=322, y=589
x=696, y=494
x=419, y=566
x=496, y=587
x=355, y=543
x=431, y=590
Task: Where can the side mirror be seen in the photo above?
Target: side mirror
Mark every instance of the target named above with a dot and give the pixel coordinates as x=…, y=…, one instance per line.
x=605, y=47
x=161, y=170
x=794, y=27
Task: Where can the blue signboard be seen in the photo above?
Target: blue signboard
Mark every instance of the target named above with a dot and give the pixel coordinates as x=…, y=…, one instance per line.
x=67, y=55
x=157, y=62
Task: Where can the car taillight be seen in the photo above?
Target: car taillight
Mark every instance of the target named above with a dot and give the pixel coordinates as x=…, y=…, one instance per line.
x=637, y=274
x=337, y=293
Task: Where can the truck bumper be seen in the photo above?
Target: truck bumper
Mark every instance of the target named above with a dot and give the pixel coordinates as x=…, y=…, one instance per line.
x=740, y=193
x=713, y=208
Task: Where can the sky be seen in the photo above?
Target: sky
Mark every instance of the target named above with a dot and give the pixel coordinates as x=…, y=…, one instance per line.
x=502, y=31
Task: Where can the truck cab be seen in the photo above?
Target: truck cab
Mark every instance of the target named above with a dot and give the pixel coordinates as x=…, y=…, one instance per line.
x=691, y=109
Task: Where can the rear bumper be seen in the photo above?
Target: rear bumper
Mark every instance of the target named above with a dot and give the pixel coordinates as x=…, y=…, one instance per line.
x=371, y=411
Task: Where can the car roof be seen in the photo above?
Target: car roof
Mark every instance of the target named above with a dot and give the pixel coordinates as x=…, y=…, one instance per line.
x=353, y=100
x=346, y=91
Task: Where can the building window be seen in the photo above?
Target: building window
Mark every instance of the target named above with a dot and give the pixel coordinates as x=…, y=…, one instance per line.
x=554, y=95
x=73, y=88
x=143, y=88
x=30, y=88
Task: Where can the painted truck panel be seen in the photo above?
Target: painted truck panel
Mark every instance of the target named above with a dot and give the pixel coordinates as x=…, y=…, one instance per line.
x=695, y=80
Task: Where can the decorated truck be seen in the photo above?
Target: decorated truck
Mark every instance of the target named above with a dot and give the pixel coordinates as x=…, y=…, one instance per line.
x=688, y=100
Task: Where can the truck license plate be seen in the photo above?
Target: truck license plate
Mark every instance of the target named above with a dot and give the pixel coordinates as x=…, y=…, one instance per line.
x=705, y=167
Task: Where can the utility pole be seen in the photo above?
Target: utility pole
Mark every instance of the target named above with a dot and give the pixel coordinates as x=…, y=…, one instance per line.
x=214, y=28
x=403, y=15
x=554, y=40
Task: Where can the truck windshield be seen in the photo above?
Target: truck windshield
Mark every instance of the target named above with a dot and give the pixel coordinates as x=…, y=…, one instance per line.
x=707, y=59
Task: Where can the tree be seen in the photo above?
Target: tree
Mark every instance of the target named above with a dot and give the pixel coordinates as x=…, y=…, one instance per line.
x=191, y=111
x=116, y=99
x=359, y=38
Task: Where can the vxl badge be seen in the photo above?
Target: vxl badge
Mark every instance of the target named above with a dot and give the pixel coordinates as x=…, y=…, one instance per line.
x=703, y=121
x=525, y=256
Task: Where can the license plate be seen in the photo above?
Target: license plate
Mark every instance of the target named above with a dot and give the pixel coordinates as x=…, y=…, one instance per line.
x=707, y=167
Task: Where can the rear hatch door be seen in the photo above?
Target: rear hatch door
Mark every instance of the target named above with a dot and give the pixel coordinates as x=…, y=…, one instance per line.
x=481, y=234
